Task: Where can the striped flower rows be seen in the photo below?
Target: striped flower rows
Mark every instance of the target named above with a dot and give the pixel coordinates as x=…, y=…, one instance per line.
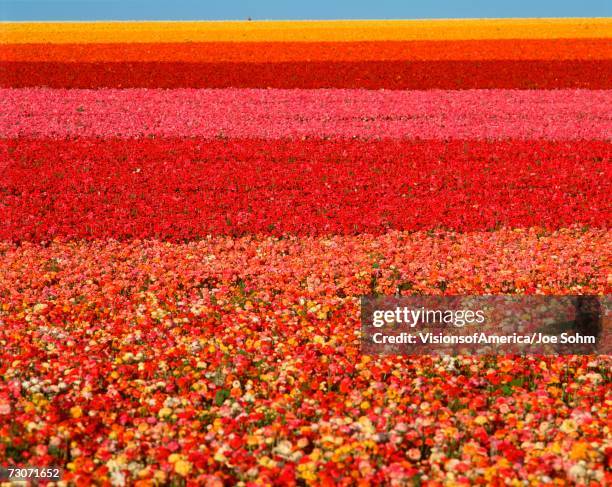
x=186, y=225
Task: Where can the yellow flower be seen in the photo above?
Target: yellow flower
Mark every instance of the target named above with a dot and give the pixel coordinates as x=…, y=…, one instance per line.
x=182, y=467
x=480, y=420
x=267, y=462
x=252, y=440
x=307, y=471
x=164, y=412
x=366, y=425
x=160, y=476
x=76, y=412
x=174, y=457
x=568, y=426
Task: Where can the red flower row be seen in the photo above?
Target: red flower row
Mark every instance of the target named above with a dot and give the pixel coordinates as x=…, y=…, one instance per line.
x=187, y=188
x=397, y=75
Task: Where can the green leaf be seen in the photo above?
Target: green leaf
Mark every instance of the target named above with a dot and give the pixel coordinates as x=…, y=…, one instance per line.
x=221, y=396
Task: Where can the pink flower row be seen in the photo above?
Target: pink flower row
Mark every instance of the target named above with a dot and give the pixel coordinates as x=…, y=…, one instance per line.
x=254, y=113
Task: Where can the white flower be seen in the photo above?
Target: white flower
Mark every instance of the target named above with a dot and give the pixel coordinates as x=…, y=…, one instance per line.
x=117, y=478
x=284, y=449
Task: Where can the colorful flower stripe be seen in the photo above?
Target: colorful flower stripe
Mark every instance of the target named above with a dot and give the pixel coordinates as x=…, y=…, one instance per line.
x=272, y=114
x=188, y=188
x=396, y=75
x=109, y=272
x=519, y=53
x=309, y=31
x=227, y=360
x=273, y=52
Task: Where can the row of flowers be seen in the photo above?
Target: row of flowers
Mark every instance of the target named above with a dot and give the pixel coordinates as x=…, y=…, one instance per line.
x=373, y=75
x=238, y=360
x=288, y=51
x=344, y=31
x=188, y=188
x=498, y=262
x=439, y=114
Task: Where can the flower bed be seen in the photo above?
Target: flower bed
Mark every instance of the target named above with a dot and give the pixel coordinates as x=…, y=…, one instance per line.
x=180, y=269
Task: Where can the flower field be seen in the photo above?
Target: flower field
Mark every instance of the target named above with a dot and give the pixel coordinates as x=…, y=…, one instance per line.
x=189, y=213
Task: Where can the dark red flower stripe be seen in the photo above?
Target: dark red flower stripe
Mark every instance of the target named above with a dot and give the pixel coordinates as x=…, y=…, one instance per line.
x=594, y=74
x=187, y=188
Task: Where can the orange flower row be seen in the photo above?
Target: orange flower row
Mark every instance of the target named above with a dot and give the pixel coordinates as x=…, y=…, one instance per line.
x=270, y=52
